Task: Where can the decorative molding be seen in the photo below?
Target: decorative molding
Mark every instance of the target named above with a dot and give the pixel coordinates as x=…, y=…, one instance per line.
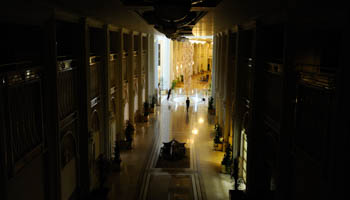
x=247, y=26
x=114, y=28
x=68, y=120
x=275, y=68
x=16, y=77
x=94, y=59
x=94, y=102
x=66, y=16
x=124, y=54
x=113, y=56
x=94, y=23
x=112, y=90
x=319, y=80
x=64, y=65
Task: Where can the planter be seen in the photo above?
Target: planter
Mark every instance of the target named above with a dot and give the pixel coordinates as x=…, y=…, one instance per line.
x=100, y=193
x=145, y=118
x=237, y=195
x=218, y=146
x=128, y=144
x=223, y=169
x=116, y=166
x=211, y=111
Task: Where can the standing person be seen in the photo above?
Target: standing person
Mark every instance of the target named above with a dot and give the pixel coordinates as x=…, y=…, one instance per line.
x=169, y=92
x=187, y=103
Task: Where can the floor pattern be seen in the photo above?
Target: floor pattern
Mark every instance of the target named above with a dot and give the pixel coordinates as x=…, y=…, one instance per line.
x=201, y=179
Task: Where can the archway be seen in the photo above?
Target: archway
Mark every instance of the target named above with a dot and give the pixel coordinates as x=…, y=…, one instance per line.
x=68, y=165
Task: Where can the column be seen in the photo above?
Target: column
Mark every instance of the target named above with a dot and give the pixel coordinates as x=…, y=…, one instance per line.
x=130, y=74
x=151, y=67
x=217, y=78
x=213, y=68
x=140, y=75
x=228, y=88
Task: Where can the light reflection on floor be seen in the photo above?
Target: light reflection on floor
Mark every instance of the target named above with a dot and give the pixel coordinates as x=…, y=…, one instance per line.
x=202, y=180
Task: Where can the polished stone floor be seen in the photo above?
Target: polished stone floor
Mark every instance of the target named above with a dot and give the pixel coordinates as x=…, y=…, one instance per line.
x=201, y=179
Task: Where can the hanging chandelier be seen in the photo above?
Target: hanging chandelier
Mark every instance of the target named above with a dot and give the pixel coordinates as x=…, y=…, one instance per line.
x=174, y=18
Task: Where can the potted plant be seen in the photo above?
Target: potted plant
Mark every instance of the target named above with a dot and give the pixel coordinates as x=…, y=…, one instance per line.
x=235, y=172
x=227, y=160
x=173, y=84
x=116, y=160
x=103, y=166
x=154, y=101
x=218, y=138
x=211, y=108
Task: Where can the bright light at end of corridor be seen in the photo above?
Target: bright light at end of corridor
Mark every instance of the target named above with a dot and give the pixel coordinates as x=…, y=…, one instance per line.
x=201, y=120
x=195, y=131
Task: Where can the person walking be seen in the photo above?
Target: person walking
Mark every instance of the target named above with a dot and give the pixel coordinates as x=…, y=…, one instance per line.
x=169, y=93
x=187, y=103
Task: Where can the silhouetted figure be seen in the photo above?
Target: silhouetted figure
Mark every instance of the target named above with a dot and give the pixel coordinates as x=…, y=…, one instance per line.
x=169, y=93
x=187, y=103
x=129, y=131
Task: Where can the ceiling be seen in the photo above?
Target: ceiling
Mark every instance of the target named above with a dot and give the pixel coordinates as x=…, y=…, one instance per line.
x=207, y=16
x=174, y=18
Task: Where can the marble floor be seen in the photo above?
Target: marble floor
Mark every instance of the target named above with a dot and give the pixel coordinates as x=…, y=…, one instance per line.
x=140, y=179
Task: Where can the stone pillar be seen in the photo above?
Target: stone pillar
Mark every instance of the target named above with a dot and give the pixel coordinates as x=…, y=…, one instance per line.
x=140, y=75
x=146, y=66
x=217, y=79
x=198, y=58
x=228, y=87
x=213, y=68
x=220, y=79
x=151, y=67
x=130, y=74
x=172, y=66
x=120, y=99
x=106, y=85
x=206, y=56
x=201, y=50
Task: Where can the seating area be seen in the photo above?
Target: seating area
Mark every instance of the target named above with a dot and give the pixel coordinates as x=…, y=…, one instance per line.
x=204, y=78
x=172, y=150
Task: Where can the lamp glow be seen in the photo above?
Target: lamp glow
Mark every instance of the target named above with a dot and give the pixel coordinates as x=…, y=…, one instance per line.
x=195, y=131
x=201, y=120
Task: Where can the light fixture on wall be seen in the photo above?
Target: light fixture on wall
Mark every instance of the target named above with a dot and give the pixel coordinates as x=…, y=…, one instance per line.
x=194, y=131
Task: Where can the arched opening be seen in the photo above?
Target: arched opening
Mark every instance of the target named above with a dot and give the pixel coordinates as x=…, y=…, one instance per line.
x=113, y=127
x=68, y=165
